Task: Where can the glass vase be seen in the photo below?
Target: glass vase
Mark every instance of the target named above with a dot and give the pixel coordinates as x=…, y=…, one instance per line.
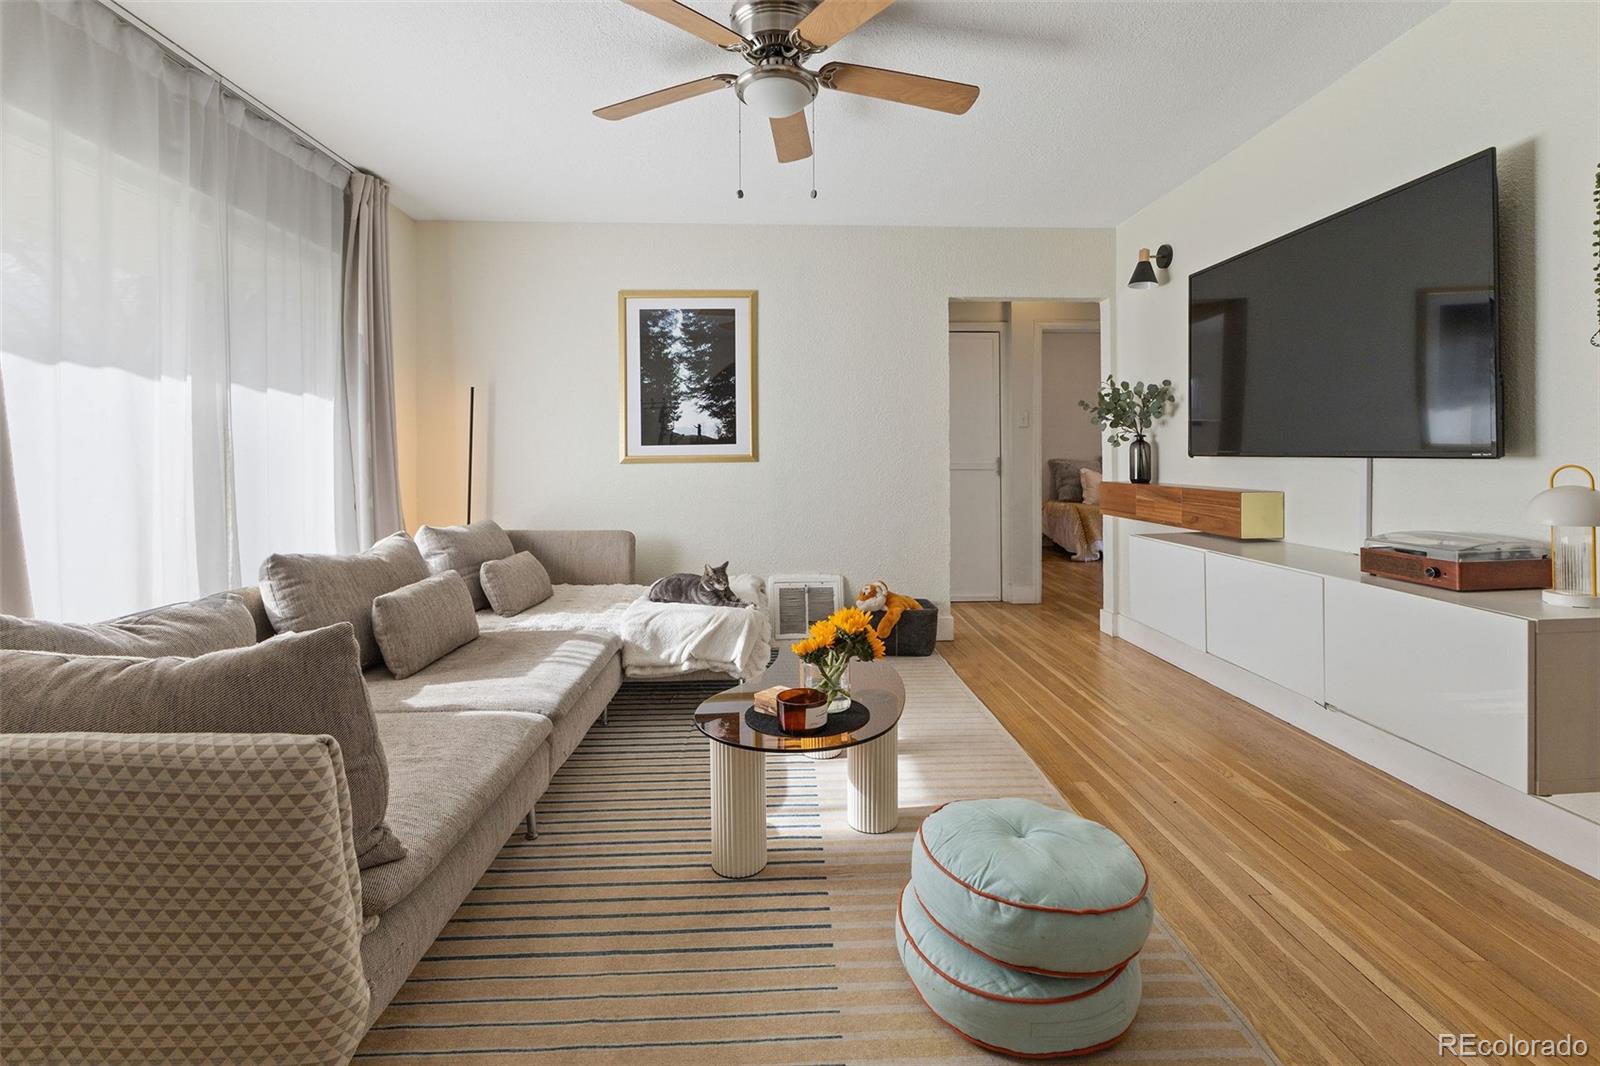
x=1139, y=460
x=832, y=677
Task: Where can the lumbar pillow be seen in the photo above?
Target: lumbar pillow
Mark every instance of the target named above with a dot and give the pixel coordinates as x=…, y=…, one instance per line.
x=1091, y=486
x=423, y=622
x=305, y=683
x=465, y=549
x=1007, y=1010
x=1032, y=887
x=515, y=584
x=185, y=629
x=303, y=592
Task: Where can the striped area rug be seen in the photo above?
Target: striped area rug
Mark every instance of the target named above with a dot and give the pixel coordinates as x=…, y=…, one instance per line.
x=609, y=939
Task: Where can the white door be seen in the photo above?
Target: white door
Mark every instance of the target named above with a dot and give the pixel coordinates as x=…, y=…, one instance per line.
x=974, y=466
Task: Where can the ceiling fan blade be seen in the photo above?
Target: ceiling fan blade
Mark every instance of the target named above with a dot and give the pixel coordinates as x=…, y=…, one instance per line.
x=831, y=20
x=791, y=137
x=687, y=18
x=662, y=97
x=952, y=97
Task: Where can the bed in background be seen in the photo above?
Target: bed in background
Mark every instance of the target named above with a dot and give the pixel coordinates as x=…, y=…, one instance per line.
x=1072, y=513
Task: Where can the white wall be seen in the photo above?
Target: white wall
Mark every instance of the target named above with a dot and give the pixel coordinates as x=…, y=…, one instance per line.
x=1070, y=371
x=1518, y=76
x=853, y=367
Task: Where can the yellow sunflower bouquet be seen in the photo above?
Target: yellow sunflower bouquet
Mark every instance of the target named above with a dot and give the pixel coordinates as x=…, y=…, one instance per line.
x=833, y=643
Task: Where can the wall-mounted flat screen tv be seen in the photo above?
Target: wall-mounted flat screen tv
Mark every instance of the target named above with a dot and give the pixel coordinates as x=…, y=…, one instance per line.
x=1372, y=333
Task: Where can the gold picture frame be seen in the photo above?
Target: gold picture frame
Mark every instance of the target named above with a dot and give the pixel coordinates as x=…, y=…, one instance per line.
x=686, y=341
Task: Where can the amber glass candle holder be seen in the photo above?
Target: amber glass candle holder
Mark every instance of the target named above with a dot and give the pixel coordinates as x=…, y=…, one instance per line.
x=801, y=710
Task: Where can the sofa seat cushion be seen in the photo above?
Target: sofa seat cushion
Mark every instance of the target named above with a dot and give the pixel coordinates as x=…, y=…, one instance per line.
x=530, y=672
x=571, y=608
x=197, y=627
x=445, y=771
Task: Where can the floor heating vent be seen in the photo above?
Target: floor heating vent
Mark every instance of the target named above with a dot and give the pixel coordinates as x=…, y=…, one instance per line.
x=797, y=600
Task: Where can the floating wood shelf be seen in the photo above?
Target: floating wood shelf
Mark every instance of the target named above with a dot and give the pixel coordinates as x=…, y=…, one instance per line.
x=1243, y=514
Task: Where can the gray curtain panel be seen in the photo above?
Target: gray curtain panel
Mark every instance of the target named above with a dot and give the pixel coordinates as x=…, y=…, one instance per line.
x=369, y=361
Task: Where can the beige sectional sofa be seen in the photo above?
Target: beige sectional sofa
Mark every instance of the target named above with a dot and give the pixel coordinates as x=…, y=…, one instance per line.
x=471, y=743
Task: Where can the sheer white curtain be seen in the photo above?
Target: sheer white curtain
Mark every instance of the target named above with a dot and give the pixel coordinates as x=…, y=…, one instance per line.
x=169, y=322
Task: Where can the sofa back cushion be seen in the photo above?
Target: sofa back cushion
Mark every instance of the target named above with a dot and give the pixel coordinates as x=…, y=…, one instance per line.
x=515, y=584
x=465, y=549
x=423, y=622
x=303, y=683
x=186, y=629
x=304, y=592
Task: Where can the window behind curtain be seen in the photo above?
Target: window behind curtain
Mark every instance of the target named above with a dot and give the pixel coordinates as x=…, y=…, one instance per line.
x=169, y=321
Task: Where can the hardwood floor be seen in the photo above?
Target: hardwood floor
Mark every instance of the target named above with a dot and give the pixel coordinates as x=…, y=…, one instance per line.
x=1349, y=916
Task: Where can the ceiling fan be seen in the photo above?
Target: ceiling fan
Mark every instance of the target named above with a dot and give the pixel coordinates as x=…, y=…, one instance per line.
x=777, y=37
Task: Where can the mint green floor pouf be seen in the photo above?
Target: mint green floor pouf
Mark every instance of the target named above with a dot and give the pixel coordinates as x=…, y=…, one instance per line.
x=1032, y=887
x=1016, y=1013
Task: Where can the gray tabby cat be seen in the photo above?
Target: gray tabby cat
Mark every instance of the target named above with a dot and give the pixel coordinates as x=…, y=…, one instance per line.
x=709, y=590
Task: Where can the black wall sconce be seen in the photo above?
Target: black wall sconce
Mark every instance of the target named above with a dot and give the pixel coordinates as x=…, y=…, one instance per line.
x=1144, y=275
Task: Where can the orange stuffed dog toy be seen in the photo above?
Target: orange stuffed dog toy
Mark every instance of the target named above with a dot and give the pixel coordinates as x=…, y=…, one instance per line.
x=875, y=596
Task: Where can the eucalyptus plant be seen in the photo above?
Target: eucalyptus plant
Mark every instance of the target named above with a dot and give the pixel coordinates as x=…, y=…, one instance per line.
x=1125, y=411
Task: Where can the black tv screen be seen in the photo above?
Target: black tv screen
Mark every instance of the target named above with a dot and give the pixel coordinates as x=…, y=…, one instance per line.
x=1370, y=333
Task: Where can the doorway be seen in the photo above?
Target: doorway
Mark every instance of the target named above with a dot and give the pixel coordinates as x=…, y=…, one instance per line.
x=975, y=497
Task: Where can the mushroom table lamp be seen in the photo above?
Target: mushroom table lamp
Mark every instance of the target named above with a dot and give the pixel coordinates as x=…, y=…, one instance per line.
x=1572, y=512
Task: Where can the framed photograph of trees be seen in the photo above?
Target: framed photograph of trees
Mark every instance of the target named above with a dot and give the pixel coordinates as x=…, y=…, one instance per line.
x=688, y=376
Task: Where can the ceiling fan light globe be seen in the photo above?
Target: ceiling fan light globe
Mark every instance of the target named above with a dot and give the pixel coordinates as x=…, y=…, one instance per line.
x=775, y=93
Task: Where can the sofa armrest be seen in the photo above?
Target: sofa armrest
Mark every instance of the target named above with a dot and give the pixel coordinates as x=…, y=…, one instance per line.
x=178, y=898
x=580, y=556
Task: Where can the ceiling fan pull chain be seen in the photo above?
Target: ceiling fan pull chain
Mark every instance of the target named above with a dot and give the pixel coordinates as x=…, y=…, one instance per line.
x=813, y=148
x=739, y=110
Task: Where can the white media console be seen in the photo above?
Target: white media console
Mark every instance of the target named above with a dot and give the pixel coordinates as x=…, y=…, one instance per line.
x=1485, y=700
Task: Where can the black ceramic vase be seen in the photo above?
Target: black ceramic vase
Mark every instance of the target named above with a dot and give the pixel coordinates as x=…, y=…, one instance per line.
x=1139, y=460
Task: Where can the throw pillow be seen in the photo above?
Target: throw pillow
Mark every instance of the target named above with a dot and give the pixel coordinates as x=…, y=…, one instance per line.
x=184, y=629
x=303, y=592
x=465, y=549
x=1091, y=486
x=423, y=622
x=303, y=683
x=515, y=584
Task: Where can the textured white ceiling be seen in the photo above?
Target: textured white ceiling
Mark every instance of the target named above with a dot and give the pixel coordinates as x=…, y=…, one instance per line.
x=482, y=110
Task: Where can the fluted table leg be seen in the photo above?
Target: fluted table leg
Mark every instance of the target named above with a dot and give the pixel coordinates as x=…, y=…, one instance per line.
x=738, y=811
x=874, y=796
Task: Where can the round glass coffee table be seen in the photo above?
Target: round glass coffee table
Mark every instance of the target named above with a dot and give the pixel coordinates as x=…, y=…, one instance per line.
x=739, y=755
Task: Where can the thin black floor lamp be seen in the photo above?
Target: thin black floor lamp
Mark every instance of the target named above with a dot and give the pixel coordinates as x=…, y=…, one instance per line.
x=472, y=409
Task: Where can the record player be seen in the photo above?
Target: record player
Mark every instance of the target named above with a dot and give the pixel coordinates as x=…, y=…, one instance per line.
x=1461, y=562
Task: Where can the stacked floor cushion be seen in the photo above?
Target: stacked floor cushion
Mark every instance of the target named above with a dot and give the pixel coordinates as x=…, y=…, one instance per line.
x=1022, y=925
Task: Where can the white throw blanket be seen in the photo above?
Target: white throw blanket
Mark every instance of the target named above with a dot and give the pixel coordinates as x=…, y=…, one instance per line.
x=658, y=639
x=664, y=639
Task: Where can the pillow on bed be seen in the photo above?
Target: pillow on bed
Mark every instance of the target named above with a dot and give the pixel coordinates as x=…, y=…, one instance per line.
x=1065, y=482
x=1090, y=480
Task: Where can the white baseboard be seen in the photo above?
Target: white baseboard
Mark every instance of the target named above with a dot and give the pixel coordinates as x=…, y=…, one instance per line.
x=946, y=629
x=1108, y=622
x=1536, y=822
